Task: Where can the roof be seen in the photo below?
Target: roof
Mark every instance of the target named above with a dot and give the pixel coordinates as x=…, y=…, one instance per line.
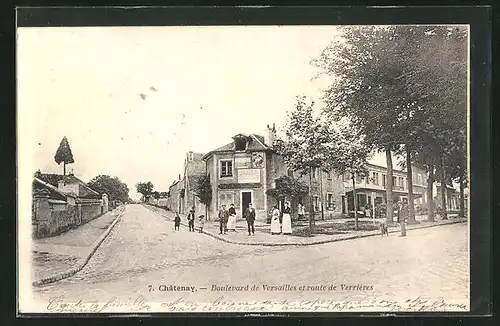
x=50, y=178
x=256, y=143
x=54, y=192
x=53, y=180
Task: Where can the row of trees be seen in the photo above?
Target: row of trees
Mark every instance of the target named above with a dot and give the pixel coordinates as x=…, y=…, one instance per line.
x=112, y=186
x=394, y=89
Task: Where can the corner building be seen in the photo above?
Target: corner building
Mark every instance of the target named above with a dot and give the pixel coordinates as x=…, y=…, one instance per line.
x=242, y=171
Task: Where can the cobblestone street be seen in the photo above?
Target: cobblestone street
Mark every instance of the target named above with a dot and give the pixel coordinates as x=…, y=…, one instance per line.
x=143, y=249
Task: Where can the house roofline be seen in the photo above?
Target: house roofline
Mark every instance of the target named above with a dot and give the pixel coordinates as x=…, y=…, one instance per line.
x=57, y=190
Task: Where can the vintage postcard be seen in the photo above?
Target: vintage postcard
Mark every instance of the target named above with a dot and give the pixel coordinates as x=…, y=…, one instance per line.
x=243, y=169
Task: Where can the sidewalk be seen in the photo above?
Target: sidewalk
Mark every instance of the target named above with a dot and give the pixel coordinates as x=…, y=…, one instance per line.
x=263, y=235
x=57, y=254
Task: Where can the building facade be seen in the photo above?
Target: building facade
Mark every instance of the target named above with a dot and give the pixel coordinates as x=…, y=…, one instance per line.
x=371, y=189
x=176, y=196
x=194, y=171
x=243, y=171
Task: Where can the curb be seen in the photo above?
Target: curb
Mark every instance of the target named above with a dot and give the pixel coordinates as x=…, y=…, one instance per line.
x=356, y=236
x=351, y=237
x=79, y=266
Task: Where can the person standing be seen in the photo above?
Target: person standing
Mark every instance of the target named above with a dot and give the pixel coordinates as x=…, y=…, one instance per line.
x=223, y=217
x=287, y=220
x=177, y=221
x=250, y=217
x=231, y=222
x=300, y=211
x=275, y=221
x=201, y=220
x=190, y=218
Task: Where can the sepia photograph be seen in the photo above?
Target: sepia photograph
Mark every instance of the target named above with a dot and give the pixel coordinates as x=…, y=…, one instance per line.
x=243, y=169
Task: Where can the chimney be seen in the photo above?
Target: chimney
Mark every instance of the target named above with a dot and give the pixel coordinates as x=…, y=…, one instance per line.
x=269, y=135
x=179, y=177
x=60, y=184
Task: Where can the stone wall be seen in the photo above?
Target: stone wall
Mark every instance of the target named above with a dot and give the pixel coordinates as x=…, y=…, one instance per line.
x=90, y=210
x=49, y=218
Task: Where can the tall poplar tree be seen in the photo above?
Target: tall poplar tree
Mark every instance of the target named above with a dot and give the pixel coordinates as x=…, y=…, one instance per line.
x=63, y=154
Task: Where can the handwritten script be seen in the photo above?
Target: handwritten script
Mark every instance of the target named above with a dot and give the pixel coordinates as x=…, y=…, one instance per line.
x=221, y=304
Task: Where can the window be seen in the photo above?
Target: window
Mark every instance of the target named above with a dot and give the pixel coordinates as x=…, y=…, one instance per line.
x=331, y=202
x=226, y=168
x=383, y=180
x=328, y=175
x=393, y=181
x=240, y=144
x=315, y=173
x=375, y=178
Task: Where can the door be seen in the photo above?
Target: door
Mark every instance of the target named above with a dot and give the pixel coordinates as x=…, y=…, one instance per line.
x=246, y=198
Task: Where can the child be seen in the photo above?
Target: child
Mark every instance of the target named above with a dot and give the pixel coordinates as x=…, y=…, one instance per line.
x=202, y=222
x=177, y=221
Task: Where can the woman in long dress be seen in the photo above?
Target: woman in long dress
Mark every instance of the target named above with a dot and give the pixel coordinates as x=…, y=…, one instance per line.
x=287, y=220
x=231, y=222
x=275, y=221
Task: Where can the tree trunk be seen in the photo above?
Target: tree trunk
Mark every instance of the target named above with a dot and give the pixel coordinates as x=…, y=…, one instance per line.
x=462, y=198
x=355, y=202
x=430, y=197
x=64, y=168
x=321, y=192
x=443, y=189
x=311, y=204
x=402, y=221
x=390, y=208
x=409, y=177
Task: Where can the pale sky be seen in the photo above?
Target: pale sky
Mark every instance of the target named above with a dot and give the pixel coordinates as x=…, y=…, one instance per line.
x=212, y=83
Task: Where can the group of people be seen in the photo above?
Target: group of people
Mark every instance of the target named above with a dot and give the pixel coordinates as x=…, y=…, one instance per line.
x=281, y=222
x=227, y=219
x=190, y=219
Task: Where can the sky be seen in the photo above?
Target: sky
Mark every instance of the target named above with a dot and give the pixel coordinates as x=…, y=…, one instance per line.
x=202, y=85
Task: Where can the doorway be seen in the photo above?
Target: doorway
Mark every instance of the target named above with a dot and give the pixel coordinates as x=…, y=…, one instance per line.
x=246, y=198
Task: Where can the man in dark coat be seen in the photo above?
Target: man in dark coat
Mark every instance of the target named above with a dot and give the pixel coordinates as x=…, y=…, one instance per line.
x=190, y=218
x=223, y=217
x=250, y=217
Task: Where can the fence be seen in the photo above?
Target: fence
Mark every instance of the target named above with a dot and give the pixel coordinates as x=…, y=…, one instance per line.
x=52, y=217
